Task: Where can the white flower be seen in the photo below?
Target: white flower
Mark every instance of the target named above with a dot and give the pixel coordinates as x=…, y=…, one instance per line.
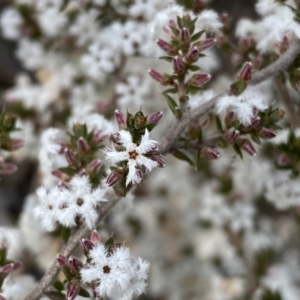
x=116, y=274
x=208, y=20
x=197, y=99
x=133, y=154
x=243, y=104
x=10, y=23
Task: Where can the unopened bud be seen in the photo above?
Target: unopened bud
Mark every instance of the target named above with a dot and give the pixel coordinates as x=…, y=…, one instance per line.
x=185, y=35
x=95, y=165
x=160, y=162
x=210, y=153
x=156, y=75
x=16, y=144
x=247, y=146
x=229, y=119
x=155, y=117
x=112, y=178
x=266, y=133
x=83, y=145
x=59, y=174
x=165, y=46
x=87, y=245
x=72, y=291
x=95, y=237
x=7, y=269
x=199, y=79
x=202, y=45
x=283, y=160
x=70, y=156
x=277, y=115
x=62, y=186
x=232, y=136
x=178, y=65
x=193, y=55
x=255, y=121
x=121, y=119
x=246, y=72
x=224, y=18
x=75, y=264
x=62, y=260
x=8, y=168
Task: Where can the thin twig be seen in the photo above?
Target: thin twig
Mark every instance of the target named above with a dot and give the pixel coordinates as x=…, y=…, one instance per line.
x=281, y=64
x=288, y=103
x=69, y=248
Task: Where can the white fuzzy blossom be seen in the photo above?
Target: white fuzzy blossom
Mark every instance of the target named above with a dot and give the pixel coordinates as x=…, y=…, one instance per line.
x=10, y=23
x=118, y=274
x=66, y=204
x=135, y=155
x=243, y=104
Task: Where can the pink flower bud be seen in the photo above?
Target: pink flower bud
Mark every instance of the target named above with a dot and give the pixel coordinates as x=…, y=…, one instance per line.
x=224, y=18
x=62, y=186
x=232, y=136
x=267, y=133
x=16, y=144
x=98, y=136
x=121, y=119
x=165, y=46
x=210, y=153
x=160, y=162
x=95, y=165
x=205, y=44
x=62, y=260
x=87, y=245
x=70, y=156
x=112, y=178
x=2, y=298
x=72, y=291
x=255, y=121
x=185, y=35
x=156, y=75
x=83, y=145
x=82, y=172
x=283, y=160
x=59, y=174
x=95, y=237
x=155, y=117
x=178, y=65
x=75, y=264
x=193, y=55
x=247, y=146
x=7, y=269
x=199, y=79
x=8, y=168
x=246, y=72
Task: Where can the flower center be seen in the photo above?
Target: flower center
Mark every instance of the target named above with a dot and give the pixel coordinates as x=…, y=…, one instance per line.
x=106, y=269
x=80, y=201
x=133, y=154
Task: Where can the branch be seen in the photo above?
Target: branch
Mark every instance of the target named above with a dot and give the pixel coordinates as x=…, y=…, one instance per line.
x=69, y=247
x=281, y=64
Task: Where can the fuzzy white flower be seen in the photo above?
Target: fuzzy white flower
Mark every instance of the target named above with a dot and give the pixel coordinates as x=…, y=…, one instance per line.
x=243, y=104
x=208, y=20
x=116, y=274
x=10, y=23
x=133, y=154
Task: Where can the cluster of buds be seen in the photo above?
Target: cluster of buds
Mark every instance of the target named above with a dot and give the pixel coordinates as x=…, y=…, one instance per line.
x=183, y=51
x=137, y=157
x=81, y=153
x=7, y=143
x=6, y=267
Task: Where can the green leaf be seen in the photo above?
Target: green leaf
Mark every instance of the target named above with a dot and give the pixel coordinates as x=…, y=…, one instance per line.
x=3, y=252
x=197, y=36
x=53, y=295
x=172, y=91
x=58, y=285
x=174, y=30
x=65, y=233
x=193, y=68
x=84, y=293
x=179, y=22
x=270, y=295
x=219, y=125
x=255, y=138
x=68, y=171
x=172, y=104
x=167, y=58
x=110, y=242
x=67, y=271
x=238, y=150
x=183, y=156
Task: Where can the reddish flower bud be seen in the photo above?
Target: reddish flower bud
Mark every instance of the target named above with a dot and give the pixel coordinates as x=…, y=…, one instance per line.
x=267, y=133
x=87, y=245
x=156, y=75
x=59, y=174
x=210, y=153
x=185, y=35
x=75, y=264
x=192, y=55
x=62, y=260
x=224, y=18
x=16, y=144
x=82, y=172
x=199, y=79
x=255, y=121
x=112, y=178
x=165, y=46
x=72, y=291
x=232, y=136
x=8, y=168
x=121, y=119
x=202, y=45
x=160, y=162
x=247, y=146
x=83, y=145
x=246, y=72
x=98, y=136
x=7, y=269
x=155, y=117
x=70, y=156
x=62, y=186
x=95, y=237
x=178, y=65
x=283, y=160
x=95, y=165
